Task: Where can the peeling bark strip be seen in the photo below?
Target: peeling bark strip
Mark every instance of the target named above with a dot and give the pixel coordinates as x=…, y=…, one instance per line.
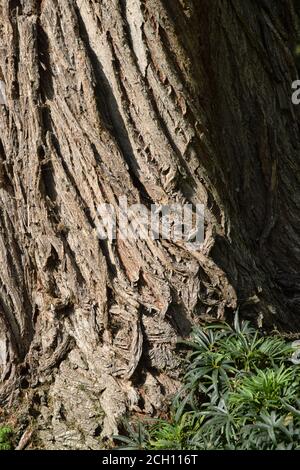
x=3, y=100
x=166, y=102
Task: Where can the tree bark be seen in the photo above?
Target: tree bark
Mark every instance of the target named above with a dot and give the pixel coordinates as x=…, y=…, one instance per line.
x=161, y=101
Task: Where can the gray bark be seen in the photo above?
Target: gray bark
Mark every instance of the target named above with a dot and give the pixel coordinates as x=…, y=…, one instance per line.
x=163, y=101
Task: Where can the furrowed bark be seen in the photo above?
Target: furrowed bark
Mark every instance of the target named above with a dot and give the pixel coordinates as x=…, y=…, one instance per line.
x=164, y=102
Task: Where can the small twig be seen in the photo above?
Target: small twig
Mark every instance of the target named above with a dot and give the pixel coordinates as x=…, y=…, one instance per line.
x=25, y=439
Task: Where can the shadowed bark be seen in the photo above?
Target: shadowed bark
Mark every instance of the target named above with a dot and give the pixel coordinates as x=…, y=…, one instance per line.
x=161, y=101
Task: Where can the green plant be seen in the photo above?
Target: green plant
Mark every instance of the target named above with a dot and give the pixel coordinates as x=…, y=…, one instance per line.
x=272, y=432
x=176, y=434
x=221, y=425
x=6, y=434
x=239, y=391
x=264, y=390
x=136, y=438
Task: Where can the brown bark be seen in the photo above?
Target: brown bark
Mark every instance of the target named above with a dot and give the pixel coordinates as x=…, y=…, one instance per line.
x=164, y=101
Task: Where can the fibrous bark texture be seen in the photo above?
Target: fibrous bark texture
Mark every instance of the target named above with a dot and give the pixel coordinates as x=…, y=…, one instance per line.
x=162, y=101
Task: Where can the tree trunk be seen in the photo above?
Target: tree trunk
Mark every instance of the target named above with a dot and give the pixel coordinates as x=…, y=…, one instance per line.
x=161, y=101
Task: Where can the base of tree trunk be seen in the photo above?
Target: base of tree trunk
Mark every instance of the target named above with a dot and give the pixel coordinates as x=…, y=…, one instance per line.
x=164, y=102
